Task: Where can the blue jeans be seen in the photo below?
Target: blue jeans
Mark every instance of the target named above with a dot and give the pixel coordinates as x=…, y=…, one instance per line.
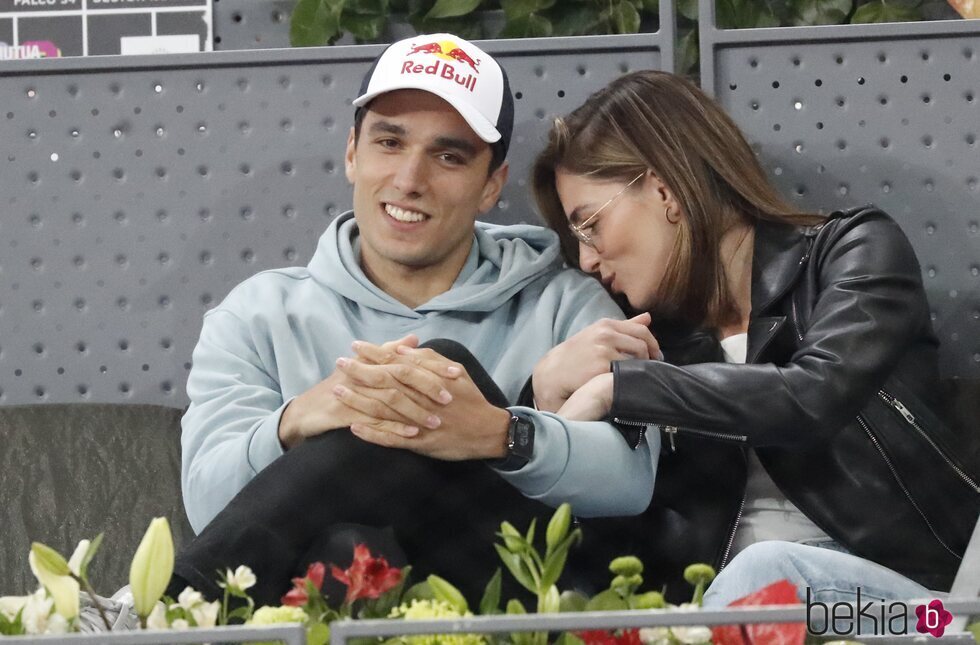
x=832, y=575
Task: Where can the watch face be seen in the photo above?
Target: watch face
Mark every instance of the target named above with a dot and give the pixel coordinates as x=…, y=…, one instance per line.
x=521, y=437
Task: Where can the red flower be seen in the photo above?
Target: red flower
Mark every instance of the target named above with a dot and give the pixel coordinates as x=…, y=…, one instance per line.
x=297, y=596
x=782, y=592
x=604, y=637
x=367, y=576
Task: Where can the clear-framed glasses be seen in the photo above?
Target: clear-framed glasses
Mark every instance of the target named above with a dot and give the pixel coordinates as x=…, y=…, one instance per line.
x=579, y=229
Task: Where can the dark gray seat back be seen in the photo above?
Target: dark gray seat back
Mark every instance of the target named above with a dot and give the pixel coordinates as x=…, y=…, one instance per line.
x=72, y=471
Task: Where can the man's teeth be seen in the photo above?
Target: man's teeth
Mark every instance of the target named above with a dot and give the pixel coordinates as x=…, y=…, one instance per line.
x=403, y=215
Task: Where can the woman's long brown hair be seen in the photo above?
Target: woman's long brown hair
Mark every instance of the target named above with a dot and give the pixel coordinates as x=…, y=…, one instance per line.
x=662, y=122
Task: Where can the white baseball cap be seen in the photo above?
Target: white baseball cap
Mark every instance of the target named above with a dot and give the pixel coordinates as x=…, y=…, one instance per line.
x=456, y=71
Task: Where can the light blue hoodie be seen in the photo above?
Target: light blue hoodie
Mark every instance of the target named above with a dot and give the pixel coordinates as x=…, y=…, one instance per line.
x=280, y=332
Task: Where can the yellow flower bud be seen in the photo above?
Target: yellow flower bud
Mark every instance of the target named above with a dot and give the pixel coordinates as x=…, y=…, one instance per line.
x=50, y=560
x=52, y=571
x=152, y=566
x=552, y=601
x=627, y=565
x=649, y=600
x=696, y=574
x=558, y=526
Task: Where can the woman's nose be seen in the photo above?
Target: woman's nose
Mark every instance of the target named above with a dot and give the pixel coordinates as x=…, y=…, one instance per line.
x=588, y=259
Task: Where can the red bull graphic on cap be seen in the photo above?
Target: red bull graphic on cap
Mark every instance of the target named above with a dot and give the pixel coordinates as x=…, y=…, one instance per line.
x=449, y=55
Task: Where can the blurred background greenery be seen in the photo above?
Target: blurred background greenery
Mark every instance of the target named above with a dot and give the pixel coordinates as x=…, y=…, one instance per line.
x=321, y=22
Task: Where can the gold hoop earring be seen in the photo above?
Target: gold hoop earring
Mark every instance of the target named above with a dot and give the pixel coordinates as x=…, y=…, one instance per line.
x=667, y=215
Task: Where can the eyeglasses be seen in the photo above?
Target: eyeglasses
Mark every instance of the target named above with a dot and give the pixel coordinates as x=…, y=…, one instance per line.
x=579, y=229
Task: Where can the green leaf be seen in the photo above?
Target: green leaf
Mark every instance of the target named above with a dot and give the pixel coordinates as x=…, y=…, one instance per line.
x=575, y=21
x=884, y=12
x=445, y=591
x=530, y=531
x=462, y=26
x=49, y=559
x=420, y=591
x=687, y=52
x=607, y=600
x=363, y=28
x=367, y=7
x=650, y=6
x=568, y=638
x=688, y=9
x=452, y=8
x=514, y=564
x=625, y=18
x=519, y=8
x=572, y=601
x=490, y=602
x=821, y=12
x=553, y=567
x=242, y=612
x=93, y=548
x=532, y=26
x=315, y=22
x=515, y=607
x=318, y=634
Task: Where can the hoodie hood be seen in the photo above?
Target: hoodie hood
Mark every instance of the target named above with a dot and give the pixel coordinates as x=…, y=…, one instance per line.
x=502, y=261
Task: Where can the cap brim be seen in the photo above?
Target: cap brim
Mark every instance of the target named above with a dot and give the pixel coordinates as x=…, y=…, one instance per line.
x=480, y=125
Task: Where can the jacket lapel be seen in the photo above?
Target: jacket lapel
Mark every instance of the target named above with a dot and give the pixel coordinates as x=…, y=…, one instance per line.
x=779, y=254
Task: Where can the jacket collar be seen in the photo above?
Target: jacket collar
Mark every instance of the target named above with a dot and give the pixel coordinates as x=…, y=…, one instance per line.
x=780, y=251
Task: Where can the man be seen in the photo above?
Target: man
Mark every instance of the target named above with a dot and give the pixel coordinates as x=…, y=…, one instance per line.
x=270, y=469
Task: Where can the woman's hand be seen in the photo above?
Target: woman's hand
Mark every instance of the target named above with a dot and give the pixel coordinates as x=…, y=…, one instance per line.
x=591, y=402
x=570, y=365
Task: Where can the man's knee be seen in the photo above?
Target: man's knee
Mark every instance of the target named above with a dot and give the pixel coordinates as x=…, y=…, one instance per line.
x=451, y=349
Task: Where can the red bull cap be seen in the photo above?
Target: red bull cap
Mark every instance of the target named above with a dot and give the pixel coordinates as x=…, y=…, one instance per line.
x=453, y=69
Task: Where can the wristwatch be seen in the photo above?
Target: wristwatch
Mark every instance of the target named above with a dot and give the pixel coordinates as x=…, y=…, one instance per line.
x=520, y=443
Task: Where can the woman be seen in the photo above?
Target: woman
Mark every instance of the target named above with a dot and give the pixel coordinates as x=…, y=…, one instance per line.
x=797, y=394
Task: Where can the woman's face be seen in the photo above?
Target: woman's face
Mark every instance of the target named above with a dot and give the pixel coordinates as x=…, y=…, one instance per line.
x=632, y=236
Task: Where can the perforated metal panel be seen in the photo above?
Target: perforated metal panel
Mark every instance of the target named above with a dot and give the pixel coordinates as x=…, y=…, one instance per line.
x=886, y=114
x=251, y=24
x=136, y=192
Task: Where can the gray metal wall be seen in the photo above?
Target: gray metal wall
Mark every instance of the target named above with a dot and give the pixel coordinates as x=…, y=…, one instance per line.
x=135, y=192
x=886, y=114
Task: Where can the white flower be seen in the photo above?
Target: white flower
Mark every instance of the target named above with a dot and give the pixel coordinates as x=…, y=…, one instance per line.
x=75, y=561
x=157, y=618
x=11, y=605
x=56, y=625
x=37, y=611
x=655, y=636
x=241, y=579
x=180, y=623
x=692, y=635
x=205, y=614
x=188, y=599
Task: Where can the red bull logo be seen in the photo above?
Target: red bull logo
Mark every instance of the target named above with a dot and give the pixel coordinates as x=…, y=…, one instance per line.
x=449, y=56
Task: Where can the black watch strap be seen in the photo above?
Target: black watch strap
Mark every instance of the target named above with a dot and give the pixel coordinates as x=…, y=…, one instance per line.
x=520, y=444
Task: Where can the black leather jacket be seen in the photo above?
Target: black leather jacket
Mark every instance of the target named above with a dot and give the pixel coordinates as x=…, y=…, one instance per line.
x=836, y=396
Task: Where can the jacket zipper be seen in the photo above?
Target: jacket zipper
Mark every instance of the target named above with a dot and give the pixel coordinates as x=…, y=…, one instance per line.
x=671, y=432
x=796, y=321
x=643, y=429
x=874, y=440
x=910, y=419
x=731, y=537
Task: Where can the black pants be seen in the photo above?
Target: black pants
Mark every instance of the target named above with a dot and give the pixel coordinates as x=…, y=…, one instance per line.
x=331, y=491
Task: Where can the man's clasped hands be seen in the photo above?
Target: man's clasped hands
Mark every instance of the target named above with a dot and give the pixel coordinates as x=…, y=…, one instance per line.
x=400, y=395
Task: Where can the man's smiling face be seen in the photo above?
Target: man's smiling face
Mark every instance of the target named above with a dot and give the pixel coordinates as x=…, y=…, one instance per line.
x=420, y=180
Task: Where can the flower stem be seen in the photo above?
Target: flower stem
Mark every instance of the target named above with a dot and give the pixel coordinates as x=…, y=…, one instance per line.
x=95, y=599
